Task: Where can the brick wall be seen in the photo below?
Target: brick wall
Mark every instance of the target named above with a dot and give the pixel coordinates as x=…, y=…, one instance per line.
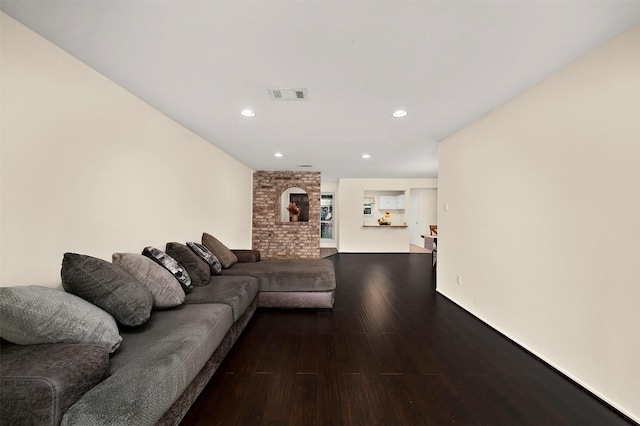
x=277, y=239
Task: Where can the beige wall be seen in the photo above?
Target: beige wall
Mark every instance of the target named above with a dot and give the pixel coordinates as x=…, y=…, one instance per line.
x=543, y=220
x=89, y=168
x=352, y=237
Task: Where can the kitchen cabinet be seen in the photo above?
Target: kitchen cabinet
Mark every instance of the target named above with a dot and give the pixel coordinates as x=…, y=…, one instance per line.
x=386, y=202
x=391, y=202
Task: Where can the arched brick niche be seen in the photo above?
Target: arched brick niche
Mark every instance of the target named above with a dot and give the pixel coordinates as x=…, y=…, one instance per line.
x=277, y=239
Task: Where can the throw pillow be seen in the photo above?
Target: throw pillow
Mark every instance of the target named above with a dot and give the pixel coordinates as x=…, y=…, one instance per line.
x=222, y=252
x=33, y=315
x=163, y=286
x=107, y=286
x=198, y=269
x=172, y=265
x=206, y=255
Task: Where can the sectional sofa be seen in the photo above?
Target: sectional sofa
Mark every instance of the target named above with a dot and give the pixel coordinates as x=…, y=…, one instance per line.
x=132, y=342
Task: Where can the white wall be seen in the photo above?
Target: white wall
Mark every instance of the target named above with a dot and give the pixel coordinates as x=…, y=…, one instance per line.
x=356, y=239
x=87, y=167
x=544, y=220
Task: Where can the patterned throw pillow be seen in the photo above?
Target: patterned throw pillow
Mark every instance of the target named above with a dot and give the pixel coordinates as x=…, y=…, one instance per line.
x=206, y=255
x=171, y=265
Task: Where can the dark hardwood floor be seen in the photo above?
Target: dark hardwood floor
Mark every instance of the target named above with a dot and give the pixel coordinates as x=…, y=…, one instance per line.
x=391, y=352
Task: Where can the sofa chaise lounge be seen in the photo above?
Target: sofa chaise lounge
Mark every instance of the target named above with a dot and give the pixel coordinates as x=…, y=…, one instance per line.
x=284, y=283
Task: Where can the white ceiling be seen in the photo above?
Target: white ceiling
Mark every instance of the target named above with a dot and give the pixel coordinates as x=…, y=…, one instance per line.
x=446, y=62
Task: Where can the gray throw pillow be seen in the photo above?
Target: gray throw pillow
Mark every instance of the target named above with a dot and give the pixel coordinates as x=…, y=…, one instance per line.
x=33, y=315
x=163, y=286
x=171, y=265
x=222, y=252
x=205, y=254
x=107, y=286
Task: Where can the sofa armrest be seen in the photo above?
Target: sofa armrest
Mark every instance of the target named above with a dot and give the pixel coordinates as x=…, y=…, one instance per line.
x=247, y=256
x=39, y=382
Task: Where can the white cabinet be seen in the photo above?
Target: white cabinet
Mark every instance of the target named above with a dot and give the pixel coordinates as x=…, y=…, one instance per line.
x=386, y=202
x=391, y=202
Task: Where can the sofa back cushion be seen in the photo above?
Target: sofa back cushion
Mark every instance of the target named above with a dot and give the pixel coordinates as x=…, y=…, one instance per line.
x=108, y=286
x=222, y=252
x=197, y=268
x=32, y=315
x=163, y=286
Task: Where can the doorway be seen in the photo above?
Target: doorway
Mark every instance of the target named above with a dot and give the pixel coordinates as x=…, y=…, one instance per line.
x=424, y=212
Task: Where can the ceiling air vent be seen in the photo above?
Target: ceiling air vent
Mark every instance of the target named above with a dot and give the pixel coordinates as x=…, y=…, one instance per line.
x=305, y=165
x=288, y=94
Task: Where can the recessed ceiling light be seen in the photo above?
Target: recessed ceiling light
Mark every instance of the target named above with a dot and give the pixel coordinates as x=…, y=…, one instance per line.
x=399, y=113
x=366, y=156
x=248, y=113
x=278, y=154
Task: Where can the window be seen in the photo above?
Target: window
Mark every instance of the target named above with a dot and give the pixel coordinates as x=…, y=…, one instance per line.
x=326, y=216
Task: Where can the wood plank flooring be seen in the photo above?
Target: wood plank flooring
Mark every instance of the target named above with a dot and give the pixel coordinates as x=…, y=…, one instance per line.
x=391, y=352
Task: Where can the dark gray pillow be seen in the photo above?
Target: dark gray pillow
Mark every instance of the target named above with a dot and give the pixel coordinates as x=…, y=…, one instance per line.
x=163, y=286
x=214, y=264
x=222, y=252
x=33, y=315
x=197, y=268
x=107, y=286
x=171, y=265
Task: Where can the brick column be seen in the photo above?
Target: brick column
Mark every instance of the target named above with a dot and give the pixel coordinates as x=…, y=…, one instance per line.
x=276, y=239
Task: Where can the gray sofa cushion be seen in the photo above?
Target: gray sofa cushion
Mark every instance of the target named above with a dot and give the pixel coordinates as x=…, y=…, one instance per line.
x=163, y=286
x=288, y=274
x=163, y=355
x=33, y=315
x=171, y=265
x=39, y=382
x=198, y=270
x=237, y=292
x=205, y=254
x=219, y=250
x=107, y=286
